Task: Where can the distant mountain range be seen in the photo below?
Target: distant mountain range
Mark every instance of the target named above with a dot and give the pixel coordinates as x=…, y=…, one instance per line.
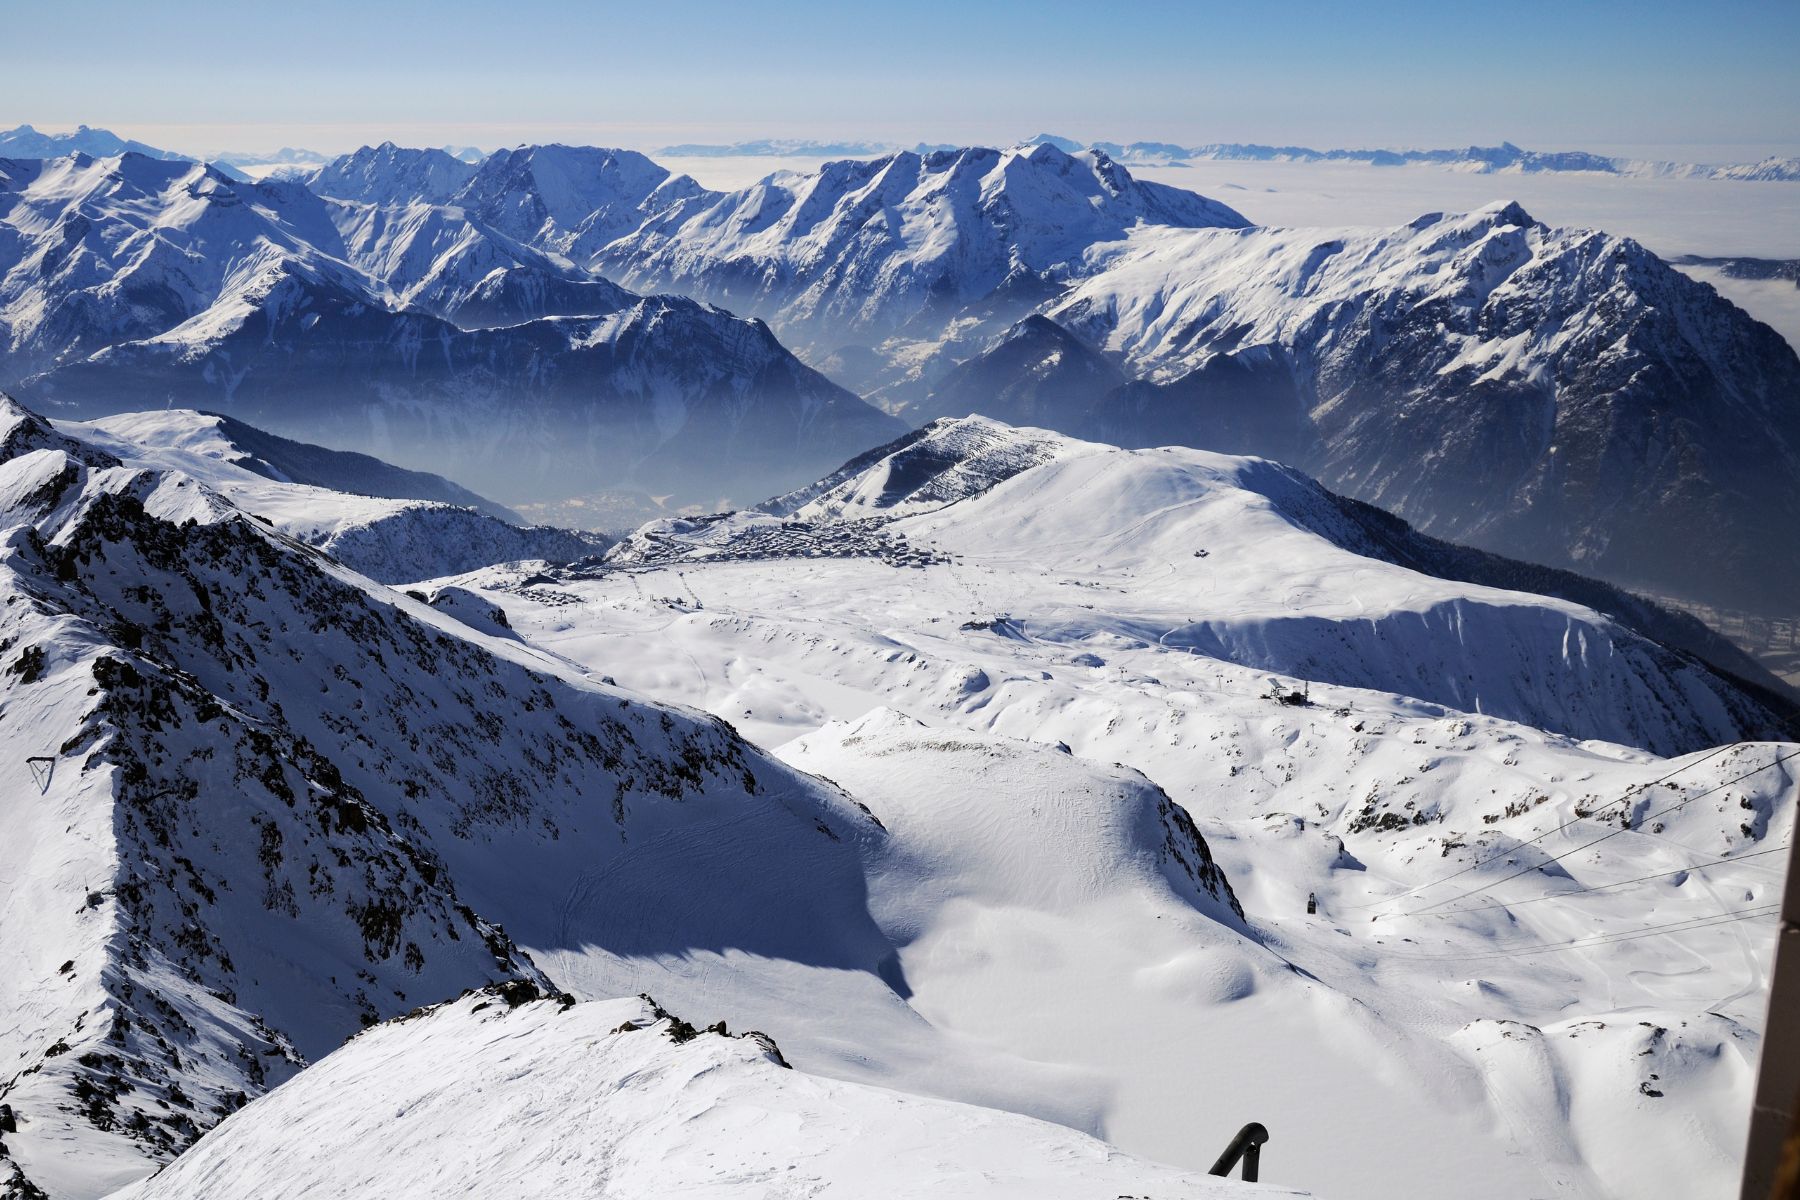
x=1504, y=158
x=559, y=322
x=129, y=282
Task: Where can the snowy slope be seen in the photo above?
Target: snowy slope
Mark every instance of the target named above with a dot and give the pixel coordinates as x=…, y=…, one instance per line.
x=537, y=1101
x=225, y=441
x=393, y=539
x=1558, y=395
x=390, y=174
x=860, y=251
x=281, y=802
x=1253, y=562
x=438, y=259
x=571, y=200
x=125, y=281
x=95, y=251
x=1593, y=1035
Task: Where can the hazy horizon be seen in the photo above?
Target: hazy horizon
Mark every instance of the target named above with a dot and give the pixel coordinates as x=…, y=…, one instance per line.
x=205, y=140
x=1654, y=80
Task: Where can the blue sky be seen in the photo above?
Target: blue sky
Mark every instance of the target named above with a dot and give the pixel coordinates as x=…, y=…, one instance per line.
x=1689, y=80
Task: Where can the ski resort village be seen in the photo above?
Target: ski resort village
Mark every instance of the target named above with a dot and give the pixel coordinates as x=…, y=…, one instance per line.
x=679, y=650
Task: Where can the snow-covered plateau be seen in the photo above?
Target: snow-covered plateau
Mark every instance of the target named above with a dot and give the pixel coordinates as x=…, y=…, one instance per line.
x=962, y=631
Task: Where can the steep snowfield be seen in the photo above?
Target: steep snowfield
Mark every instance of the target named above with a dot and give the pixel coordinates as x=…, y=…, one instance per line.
x=393, y=540
x=223, y=440
x=1588, y=1028
x=542, y=1102
x=278, y=802
x=1558, y=395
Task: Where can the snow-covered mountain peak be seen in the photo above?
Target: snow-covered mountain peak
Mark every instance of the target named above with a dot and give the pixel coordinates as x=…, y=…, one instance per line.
x=569, y=199
x=1036, y=373
x=870, y=247
x=948, y=460
x=1528, y=369
x=439, y=259
x=390, y=174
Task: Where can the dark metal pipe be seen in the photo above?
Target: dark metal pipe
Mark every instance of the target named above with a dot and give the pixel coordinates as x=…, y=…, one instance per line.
x=1247, y=1145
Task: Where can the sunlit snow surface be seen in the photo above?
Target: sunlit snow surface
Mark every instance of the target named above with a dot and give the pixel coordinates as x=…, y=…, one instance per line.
x=596, y=1101
x=1708, y=217
x=1082, y=613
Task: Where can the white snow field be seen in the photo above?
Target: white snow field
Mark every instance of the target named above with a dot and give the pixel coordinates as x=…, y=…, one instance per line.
x=1034, y=826
x=537, y=1100
x=1537, y=963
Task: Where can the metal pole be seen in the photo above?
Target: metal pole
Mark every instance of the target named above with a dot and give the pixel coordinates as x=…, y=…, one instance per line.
x=1775, y=1114
x=1247, y=1145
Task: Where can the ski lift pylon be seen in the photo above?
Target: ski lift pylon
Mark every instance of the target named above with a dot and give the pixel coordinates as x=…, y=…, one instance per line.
x=42, y=768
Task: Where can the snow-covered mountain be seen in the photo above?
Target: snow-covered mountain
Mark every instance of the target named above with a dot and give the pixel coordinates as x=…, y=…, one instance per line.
x=26, y=142
x=271, y=799
x=539, y=1100
x=1012, y=493
x=392, y=525
x=572, y=199
x=1557, y=395
x=95, y=251
x=390, y=174
x=130, y=280
x=962, y=630
x=860, y=251
x=287, y=156
x=203, y=436
x=1037, y=373
x=1505, y=158
x=565, y=200
x=438, y=259
x=1772, y=169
